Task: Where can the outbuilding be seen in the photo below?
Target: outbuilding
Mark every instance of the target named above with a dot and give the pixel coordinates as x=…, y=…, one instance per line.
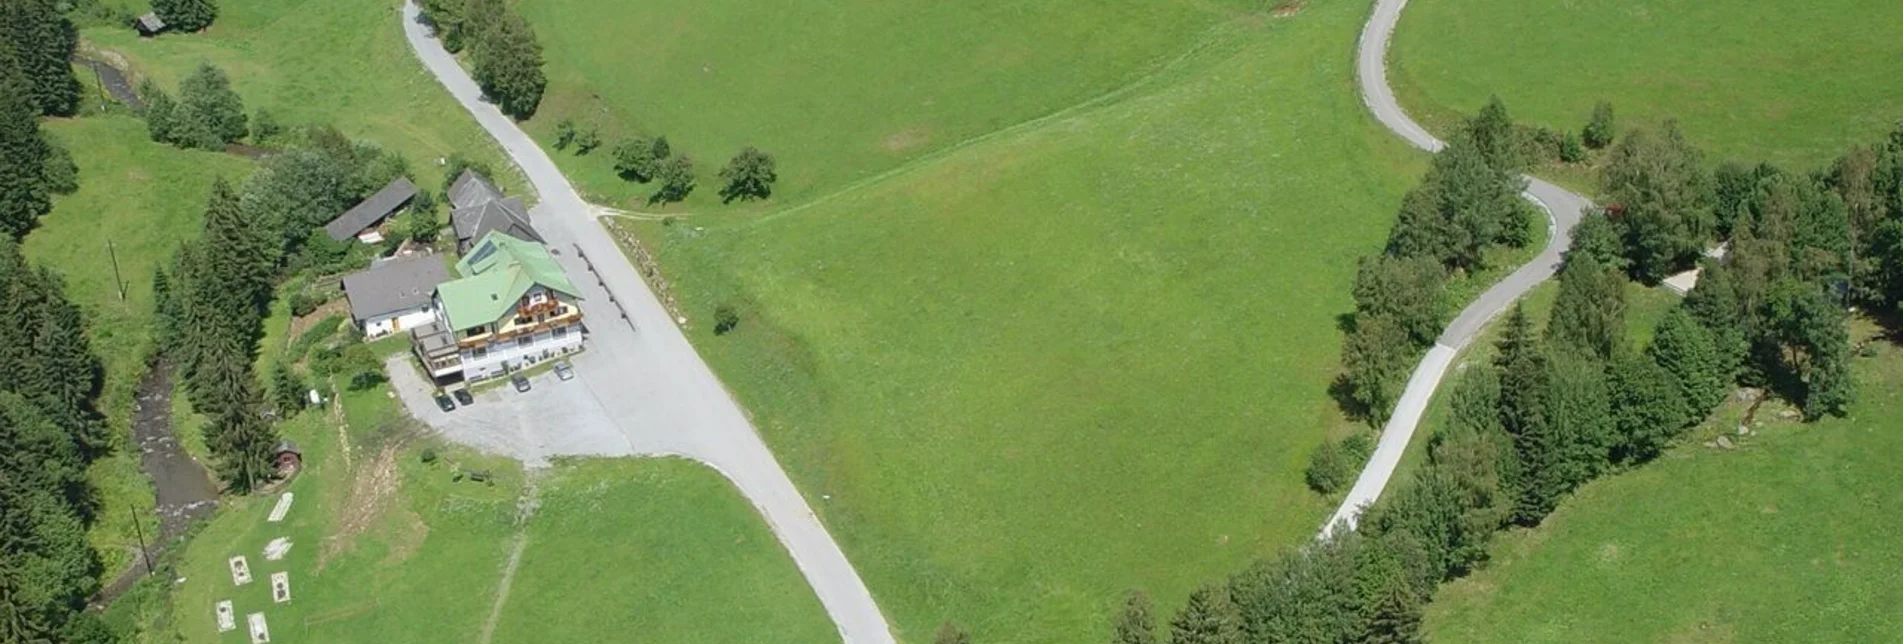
x=394, y=294
x=361, y=221
x=149, y=25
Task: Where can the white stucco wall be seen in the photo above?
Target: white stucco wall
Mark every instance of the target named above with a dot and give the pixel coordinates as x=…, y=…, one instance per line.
x=499, y=359
x=405, y=320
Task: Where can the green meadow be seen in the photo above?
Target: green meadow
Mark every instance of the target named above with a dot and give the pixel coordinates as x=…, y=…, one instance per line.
x=1793, y=83
x=1082, y=356
x=1787, y=538
x=341, y=62
x=839, y=91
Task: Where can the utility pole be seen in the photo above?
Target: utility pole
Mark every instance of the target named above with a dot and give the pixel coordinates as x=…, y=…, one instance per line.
x=144, y=552
x=116, y=279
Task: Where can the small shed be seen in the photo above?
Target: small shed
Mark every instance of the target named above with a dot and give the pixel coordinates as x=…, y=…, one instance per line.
x=361, y=220
x=149, y=24
x=287, y=458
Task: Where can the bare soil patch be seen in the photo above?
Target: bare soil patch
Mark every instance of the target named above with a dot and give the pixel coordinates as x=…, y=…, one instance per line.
x=906, y=140
x=372, y=491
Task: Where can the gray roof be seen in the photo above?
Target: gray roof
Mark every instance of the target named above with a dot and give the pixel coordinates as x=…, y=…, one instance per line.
x=506, y=215
x=372, y=210
x=151, y=23
x=472, y=189
x=394, y=286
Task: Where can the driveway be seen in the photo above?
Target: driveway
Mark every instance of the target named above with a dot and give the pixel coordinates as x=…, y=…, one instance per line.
x=649, y=385
x=1563, y=210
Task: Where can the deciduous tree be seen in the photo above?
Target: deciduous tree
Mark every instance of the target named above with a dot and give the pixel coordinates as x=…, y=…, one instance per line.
x=677, y=179
x=748, y=175
x=1660, y=181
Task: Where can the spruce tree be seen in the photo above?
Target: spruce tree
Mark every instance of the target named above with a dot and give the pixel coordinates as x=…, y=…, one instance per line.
x=209, y=113
x=1396, y=617
x=1208, y=618
x=1376, y=359
x=238, y=435
x=1579, y=417
x=508, y=66
x=43, y=41
x=1589, y=314
x=1599, y=131
x=1410, y=291
x=1684, y=348
x=1602, y=237
x=23, y=152
x=1714, y=304
x=1493, y=134
x=1646, y=408
x=160, y=111
x=287, y=391
x=186, y=15
x=1134, y=623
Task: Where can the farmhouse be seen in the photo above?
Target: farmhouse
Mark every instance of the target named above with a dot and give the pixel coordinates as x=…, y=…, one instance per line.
x=394, y=294
x=362, y=220
x=511, y=307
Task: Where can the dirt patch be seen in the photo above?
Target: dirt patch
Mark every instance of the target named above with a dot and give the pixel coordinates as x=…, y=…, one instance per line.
x=1287, y=8
x=406, y=539
x=372, y=490
x=299, y=325
x=906, y=140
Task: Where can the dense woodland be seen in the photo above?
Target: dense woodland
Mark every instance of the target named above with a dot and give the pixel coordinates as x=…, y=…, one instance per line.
x=50, y=426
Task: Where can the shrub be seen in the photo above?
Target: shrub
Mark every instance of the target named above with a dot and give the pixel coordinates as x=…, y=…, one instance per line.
x=634, y=160
x=587, y=140
x=1329, y=470
x=1569, y=149
x=429, y=455
x=564, y=134
x=725, y=319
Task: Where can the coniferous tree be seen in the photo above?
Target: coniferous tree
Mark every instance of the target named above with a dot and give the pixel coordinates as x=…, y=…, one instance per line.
x=209, y=114
x=237, y=434
x=1599, y=131
x=1493, y=134
x=1410, y=291
x=1589, y=314
x=287, y=391
x=1376, y=359
x=1580, y=421
x=160, y=111
x=1209, y=618
x=43, y=41
x=1646, y=408
x=186, y=15
x=1714, y=304
x=508, y=66
x=1134, y=623
x=1684, y=348
x=23, y=152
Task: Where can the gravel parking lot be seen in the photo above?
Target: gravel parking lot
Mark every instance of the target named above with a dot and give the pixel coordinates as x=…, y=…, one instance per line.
x=554, y=418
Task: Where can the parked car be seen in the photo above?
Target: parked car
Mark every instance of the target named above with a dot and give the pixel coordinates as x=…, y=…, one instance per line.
x=564, y=370
x=462, y=396
x=444, y=403
x=521, y=383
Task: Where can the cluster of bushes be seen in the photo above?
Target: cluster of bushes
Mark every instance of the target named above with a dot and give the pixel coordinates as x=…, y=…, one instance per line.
x=502, y=47
x=186, y=15
x=207, y=115
x=35, y=80
x=750, y=174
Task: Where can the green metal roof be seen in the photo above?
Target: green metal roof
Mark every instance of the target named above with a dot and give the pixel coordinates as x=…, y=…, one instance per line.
x=496, y=273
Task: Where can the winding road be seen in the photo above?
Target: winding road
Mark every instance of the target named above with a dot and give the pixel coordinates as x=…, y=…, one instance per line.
x=655, y=395
x=1562, y=208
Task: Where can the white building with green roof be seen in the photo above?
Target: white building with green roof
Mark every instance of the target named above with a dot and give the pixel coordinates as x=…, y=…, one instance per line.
x=511, y=306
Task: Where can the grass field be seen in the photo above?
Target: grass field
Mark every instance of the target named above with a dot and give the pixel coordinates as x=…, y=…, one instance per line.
x=1789, y=538
x=342, y=62
x=144, y=198
x=664, y=548
x=1081, y=357
x=1795, y=83
x=838, y=90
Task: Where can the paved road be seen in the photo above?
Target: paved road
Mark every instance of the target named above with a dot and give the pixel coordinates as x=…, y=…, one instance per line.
x=652, y=388
x=1563, y=210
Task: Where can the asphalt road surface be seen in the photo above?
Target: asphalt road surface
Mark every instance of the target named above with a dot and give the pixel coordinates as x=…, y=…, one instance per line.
x=654, y=394
x=1563, y=209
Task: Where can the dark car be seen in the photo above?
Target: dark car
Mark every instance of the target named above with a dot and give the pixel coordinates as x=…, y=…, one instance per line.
x=444, y=403
x=462, y=396
x=521, y=383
